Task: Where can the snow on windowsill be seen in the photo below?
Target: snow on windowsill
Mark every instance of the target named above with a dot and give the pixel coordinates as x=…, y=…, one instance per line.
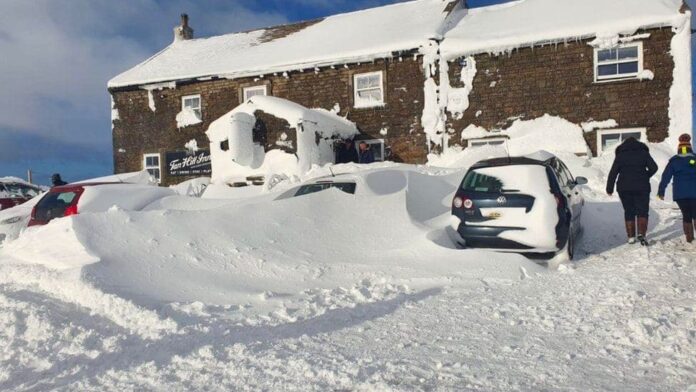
x=187, y=117
x=371, y=105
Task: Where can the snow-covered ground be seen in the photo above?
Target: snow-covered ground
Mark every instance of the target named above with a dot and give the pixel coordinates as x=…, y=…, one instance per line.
x=331, y=291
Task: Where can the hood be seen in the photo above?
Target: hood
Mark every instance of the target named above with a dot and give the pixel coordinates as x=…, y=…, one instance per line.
x=631, y=144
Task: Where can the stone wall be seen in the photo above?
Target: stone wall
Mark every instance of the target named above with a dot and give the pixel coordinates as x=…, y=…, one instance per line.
x=559, y=80
x=139, y=130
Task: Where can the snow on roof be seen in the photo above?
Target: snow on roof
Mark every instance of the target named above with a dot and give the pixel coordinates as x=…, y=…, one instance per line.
x=501, y=28
x=356, y=36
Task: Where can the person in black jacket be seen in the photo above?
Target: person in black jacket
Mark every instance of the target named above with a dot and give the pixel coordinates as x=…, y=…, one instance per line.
x=347, y=152
x=57, y=181
x=634, y=167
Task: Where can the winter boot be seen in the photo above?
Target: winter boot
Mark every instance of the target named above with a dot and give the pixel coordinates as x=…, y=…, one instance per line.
x=689, y=232
x=642, y=230
x=631, y=231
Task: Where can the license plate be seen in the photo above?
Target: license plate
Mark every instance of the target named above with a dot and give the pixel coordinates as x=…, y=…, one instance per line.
x=494, y=215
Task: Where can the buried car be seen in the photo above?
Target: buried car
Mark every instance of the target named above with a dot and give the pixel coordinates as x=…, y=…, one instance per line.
x=530, y=205
x=14, y=192
x=72, y=199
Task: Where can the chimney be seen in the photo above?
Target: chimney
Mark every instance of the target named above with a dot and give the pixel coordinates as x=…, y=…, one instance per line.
x=184, y=31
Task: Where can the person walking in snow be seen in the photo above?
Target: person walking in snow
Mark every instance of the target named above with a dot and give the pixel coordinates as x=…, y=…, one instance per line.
x=57, y=181
x=633, y=166
x=682, y=168
x=366, y=155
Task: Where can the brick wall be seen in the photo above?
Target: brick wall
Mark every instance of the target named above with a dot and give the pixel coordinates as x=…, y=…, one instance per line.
x=559, y=80
x=141, y=130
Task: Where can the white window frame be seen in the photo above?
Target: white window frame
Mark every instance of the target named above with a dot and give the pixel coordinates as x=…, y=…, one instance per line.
x=372, y=142
x=200, y=104
x=611, y=78
x=619, y=131
x=148, y=168
x=246, y=90
x=487, y=140
x=356, y=103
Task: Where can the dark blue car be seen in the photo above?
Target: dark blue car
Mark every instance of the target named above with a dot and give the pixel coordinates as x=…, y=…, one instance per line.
x=530, y=205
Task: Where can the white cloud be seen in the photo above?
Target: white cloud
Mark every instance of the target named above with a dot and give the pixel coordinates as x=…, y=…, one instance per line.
x=57, y=55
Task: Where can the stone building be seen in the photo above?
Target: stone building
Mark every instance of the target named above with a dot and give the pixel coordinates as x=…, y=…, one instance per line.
x=412, y=76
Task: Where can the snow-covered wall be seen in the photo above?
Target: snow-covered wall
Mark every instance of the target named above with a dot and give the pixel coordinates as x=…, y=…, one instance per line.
x=316, y=130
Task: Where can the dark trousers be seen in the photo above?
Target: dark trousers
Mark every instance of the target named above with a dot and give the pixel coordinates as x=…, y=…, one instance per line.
x=635, y=204
x=688, y=209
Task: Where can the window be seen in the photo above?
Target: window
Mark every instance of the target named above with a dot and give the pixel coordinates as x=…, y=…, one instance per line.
x=347, y=187
x=377, y=147
x=492, y=141
x=369, y=90
x=254, y=91
x=151, y=163
x=609, y=139
x=194, y=103
x=622, y=62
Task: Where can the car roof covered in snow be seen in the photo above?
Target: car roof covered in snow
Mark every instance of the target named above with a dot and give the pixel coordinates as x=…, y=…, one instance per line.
x=350, y=37
x=511, y=161
x=523, y=23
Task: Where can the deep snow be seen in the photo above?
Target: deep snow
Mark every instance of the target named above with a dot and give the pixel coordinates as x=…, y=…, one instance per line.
x=338, y=292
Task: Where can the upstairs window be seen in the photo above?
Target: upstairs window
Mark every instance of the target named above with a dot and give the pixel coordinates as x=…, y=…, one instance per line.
x=151, y=163
x=369, y=90
x=192, y=102
x=622, y=62
x=254, y=91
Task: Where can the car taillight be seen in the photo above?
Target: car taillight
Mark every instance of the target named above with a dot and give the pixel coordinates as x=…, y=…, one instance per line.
x=560, y=201
x=71, y=210
x=460, y=202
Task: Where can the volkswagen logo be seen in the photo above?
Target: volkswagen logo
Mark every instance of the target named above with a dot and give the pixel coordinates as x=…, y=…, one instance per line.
x=502, y=200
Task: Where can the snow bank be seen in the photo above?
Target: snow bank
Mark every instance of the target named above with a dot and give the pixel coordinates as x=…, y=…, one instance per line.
x=141, y=177
x=243, y=157
x=352, y=37
x=186, y=117
x=505, y=27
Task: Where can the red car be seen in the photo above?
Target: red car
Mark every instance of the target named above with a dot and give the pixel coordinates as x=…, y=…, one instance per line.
x=71, y=199
x=14, y=192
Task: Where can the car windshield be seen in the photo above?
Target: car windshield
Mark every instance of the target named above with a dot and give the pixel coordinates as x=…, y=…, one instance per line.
x=53, y=205
x=21, y=190
x=347, y=187
x=504, y=179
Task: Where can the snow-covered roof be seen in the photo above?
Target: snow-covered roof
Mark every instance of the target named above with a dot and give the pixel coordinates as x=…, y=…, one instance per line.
x=503, y=27
x=351, y=37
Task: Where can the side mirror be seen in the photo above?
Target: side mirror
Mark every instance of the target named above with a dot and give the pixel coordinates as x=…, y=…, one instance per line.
x=581, y=181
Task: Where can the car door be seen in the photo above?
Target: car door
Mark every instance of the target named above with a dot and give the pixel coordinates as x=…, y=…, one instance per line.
x=576, y=200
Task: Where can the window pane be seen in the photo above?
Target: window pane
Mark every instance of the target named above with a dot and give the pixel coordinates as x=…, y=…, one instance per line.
x=496, y=143
x=366, y=82
x=253, y=92
x=607, y=70
x=628, y=68
x=370, y=95
x=627, y=135
x=606, y=55
x=628, y=53
x=610, y=140
x=193, y=103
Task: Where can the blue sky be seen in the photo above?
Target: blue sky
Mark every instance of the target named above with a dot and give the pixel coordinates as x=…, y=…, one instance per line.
x=57, y=56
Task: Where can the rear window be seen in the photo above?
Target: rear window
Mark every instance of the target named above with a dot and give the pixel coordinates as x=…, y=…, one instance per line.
x=53, y=205
x=505, y=179
x=347, y=187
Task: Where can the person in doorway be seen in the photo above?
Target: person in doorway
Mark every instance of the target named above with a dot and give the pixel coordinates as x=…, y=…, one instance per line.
x=633, y=166
x=57, y=181
x=347, y=152
x=682, y=168
x=366, y=155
